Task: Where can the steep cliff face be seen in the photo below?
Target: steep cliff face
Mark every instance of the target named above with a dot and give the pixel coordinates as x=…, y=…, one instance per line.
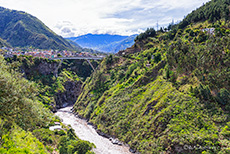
x=64, y=88
x=46, y=68
x=69, y=95
x=169, y=93
x=55, y=91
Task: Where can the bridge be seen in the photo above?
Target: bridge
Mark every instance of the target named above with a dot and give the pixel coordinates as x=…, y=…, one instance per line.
x=79, y=57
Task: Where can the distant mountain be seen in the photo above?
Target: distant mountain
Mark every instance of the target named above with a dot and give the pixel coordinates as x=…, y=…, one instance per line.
x=80, y=49
x=3, y=43
x=21, y=29
x=104, y=42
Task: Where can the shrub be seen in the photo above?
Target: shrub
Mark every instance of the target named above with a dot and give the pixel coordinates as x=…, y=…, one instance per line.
x=109, y=59
x=157, y=57
x=71, y=134
x=81, y=147
x=150, y=32
x=44, y=135
x=60, y=132
x=62, y=146
x=223, y=96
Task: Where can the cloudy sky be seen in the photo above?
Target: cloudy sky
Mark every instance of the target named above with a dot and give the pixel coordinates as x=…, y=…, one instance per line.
x=125, y=17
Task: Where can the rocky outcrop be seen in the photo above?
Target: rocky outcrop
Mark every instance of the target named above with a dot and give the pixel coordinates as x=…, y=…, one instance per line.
x=45, y=71
x=46, y=68
x=33, y=67
x=69, y=96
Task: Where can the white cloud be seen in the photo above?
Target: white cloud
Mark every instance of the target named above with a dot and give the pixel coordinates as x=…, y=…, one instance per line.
x=76, y=17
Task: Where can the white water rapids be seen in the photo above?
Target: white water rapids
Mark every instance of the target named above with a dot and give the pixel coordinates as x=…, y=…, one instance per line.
x=88, y=133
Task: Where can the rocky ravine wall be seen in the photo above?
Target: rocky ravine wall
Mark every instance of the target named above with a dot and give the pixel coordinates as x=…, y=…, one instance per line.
x=69, y=96
x=72, y=88
x=44, y=68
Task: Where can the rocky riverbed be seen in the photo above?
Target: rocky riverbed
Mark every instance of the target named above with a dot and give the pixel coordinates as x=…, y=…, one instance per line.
x=86, y=132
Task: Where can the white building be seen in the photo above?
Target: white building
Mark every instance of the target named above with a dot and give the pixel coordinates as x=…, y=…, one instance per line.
x=209, y=30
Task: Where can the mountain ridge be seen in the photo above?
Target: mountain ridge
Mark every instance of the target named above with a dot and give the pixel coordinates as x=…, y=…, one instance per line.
x=21, y=29
x=104, y=42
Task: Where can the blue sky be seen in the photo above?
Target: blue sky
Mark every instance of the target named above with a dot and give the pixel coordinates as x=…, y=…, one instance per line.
x=125, y=17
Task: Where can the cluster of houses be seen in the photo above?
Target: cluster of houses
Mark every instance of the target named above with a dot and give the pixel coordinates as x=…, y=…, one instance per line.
x=210, y=31
x=9, y=52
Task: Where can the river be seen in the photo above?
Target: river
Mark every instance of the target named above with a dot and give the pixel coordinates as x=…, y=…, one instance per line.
x=88, y=133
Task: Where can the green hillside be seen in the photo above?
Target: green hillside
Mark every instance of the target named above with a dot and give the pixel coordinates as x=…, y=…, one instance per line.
x=170, y=92
x=20, y=111
x=211, y=11
x=53, y=90
x=21, y=29
x=24, y=120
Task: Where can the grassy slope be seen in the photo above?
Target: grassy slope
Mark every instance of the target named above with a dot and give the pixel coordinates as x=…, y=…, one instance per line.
x=19, y=141
x=153, y=117
x=20, y=112
x=180, y=101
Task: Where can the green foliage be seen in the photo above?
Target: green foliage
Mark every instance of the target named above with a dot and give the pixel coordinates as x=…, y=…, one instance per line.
x=202, y=91
x=69, y=145
x=212, y=11
x=120, y=74
x=109, y=59
x=150, y=32
x=20, y=29
x=80, y=67
x=46, y=136
x=223, y=97
x=180, y=98
x=40, y=70
x=71, y=134
x=157, y=57
x=168, y=91
x=130, y=70
x=20, y=141
x=60, y=132
x=81, y=147
x=19, y=103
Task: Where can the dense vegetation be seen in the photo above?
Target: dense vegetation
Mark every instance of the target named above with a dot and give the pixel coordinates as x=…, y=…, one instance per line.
x=65, y=141
x=25, y=121
x=41, y=71
x=170, y=92
x=20, y=29
x=71, y=144
x=211, y=11
x=20, y=109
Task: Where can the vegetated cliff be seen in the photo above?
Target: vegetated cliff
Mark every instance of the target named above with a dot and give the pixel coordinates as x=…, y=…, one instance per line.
x=69, y=94
x=169, y=93
x=21, y=29
x=20, y=111
x=24, y=121
x=54, y=92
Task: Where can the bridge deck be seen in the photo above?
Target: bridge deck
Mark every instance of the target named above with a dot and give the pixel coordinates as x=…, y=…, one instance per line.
x=88, y=58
